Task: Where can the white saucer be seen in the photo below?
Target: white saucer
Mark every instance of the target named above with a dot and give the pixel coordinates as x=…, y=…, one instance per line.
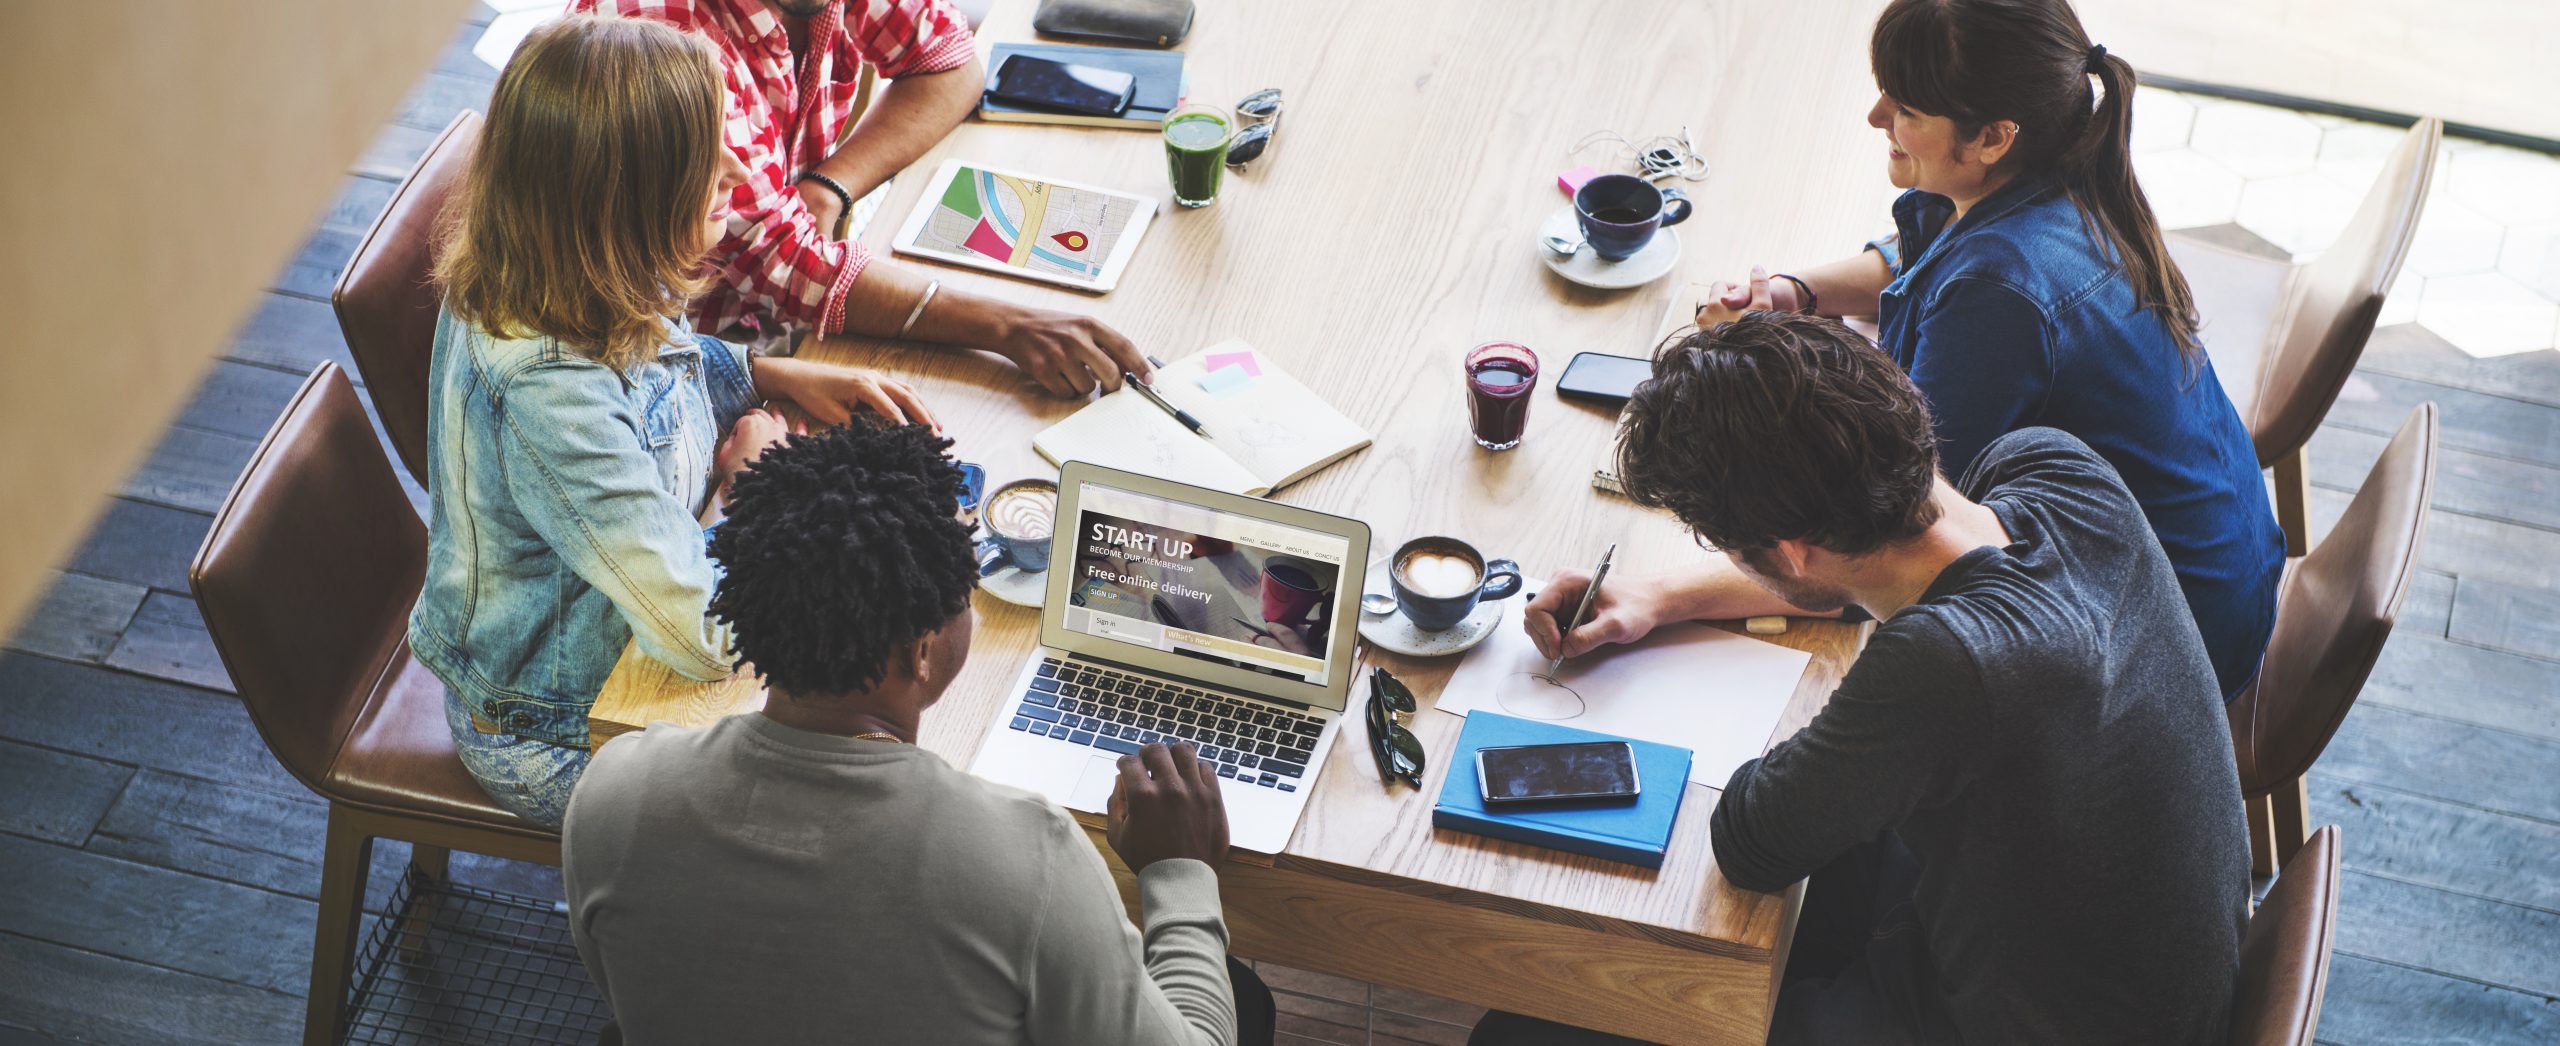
x=1013, y=584
x=1395, y=632
x=1655, y=261
x=1017, y=586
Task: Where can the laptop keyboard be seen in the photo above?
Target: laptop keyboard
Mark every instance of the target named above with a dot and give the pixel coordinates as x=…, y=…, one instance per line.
x=1249, y=741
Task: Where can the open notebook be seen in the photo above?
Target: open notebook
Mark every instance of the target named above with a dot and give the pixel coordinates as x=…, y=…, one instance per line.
x=1264, y=430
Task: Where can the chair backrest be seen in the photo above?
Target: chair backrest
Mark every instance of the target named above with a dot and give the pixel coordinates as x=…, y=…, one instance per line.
x=308, y=574
x=386, y=305
x=2336, y=299
x=2284, y=958
x=2335, y=613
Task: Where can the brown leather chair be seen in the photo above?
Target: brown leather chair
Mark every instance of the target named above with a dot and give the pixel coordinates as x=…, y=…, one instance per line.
x=386, y=306
x=2284, y=337
x=2284, y=958
x=306, y=581
x=2336, y=609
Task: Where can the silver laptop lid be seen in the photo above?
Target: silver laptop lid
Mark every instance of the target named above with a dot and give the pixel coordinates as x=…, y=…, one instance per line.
x=1229, y=590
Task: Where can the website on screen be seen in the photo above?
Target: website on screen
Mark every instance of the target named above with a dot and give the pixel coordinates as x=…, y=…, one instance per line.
x=1221, y=587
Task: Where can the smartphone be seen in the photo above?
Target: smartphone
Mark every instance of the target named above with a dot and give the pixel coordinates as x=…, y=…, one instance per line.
x=1046, y=84
x=1601, y=378
x=1580, y=771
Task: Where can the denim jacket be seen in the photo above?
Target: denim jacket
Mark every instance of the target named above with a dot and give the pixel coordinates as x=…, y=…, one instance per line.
x=563, y=522
x=2019, y=316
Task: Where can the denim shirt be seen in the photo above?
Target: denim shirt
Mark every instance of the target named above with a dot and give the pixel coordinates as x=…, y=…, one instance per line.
x=563, y=498
x=2018, y=317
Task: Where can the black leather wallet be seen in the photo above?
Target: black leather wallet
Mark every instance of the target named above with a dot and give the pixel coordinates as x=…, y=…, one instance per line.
x=1152, y=23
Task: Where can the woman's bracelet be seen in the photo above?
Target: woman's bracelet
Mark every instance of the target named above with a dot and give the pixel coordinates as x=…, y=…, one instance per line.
x=1801, y=288
x=918, y=311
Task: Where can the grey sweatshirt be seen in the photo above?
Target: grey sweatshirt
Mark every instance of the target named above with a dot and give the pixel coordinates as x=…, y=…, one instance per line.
x=2044, y=732
x=749, y=882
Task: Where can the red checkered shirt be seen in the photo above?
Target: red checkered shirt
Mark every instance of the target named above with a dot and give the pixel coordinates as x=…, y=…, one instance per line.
x=778, y=270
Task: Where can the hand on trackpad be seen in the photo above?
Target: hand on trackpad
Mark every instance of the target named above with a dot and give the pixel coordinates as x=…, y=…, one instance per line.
x=1092, y=793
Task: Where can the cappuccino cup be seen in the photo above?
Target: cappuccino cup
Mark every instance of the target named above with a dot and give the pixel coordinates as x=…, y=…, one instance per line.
x=1439, y=580
x=1020, y=517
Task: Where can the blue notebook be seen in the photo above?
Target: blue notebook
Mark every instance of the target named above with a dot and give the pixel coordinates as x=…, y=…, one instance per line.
x=1163, y=79
x=1637, y=833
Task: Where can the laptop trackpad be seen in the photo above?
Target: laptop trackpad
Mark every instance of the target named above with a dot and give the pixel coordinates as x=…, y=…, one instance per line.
x=1093, y=790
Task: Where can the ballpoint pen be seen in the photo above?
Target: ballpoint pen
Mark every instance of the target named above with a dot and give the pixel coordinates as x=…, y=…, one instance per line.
x=1589, y=593
x=1158, y=399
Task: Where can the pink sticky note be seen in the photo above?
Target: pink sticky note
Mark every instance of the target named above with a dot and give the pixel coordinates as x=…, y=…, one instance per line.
x=1234, y=359
x=1570, y=182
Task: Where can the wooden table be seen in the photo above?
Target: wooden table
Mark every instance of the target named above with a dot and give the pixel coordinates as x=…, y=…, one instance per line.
x=1387, y=231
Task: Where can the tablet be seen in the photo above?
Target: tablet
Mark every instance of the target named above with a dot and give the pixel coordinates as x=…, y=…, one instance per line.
x=1012, y=223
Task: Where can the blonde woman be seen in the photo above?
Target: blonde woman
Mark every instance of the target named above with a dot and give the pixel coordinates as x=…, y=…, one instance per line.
x=575, y=457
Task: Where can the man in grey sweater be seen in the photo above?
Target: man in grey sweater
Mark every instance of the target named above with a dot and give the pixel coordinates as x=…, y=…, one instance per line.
x=2019, y=810
x=807, y=874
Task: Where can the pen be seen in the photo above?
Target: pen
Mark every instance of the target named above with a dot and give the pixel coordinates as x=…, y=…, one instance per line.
x=1589, y=593
x=1152, y=396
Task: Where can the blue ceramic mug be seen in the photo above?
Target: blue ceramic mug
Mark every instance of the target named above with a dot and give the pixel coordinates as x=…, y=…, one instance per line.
x=1439, y=580
x=1619, y=213
x=1019, y=518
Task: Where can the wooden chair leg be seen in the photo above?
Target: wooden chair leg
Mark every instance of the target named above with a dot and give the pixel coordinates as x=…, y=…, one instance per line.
x=2293, y=502
x=432, y=861
x=349, y=855
x=2262, y=841
x=2292, y=820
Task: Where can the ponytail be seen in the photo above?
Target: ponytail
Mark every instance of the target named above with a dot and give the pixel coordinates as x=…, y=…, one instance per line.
x=2097, y=171
x=2029, y=61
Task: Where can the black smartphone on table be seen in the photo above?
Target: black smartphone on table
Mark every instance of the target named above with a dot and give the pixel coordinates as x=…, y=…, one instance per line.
x=1598, y=377
x=1046, y=84
x=1581, y=771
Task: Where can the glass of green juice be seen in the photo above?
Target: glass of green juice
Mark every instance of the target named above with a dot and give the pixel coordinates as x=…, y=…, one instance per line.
x=1195, y=152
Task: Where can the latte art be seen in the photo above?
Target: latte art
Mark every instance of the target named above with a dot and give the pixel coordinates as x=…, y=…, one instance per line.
x=1436, y=572
x=1023, y=513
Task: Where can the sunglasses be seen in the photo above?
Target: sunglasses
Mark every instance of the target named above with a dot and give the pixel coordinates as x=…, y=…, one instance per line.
x=1262, y=109
x=1399, y=752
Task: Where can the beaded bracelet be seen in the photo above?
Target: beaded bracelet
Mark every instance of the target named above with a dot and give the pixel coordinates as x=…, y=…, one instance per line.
x=833, y=186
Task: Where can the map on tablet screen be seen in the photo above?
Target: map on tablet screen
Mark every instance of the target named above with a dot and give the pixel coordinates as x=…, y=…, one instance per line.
x=1024, y=226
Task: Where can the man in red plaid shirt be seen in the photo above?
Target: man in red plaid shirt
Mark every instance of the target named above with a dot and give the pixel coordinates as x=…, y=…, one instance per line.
x=794, y=68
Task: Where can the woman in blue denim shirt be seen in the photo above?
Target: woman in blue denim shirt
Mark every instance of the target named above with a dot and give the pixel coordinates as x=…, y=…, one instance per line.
x=574, y=432
x=2027, y=284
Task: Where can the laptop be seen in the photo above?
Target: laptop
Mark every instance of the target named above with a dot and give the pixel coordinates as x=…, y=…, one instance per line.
x=1181, y=613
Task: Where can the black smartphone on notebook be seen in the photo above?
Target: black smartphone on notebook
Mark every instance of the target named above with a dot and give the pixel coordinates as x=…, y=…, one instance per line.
x=1582, y=771
x=1046, y=84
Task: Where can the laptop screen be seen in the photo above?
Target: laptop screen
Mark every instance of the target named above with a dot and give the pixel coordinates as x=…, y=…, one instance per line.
x=1221, y=587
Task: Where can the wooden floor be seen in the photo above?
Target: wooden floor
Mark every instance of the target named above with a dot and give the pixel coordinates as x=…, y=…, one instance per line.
x=161, y=868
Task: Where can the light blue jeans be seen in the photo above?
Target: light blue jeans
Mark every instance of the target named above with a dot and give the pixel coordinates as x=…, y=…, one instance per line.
x=530, y=778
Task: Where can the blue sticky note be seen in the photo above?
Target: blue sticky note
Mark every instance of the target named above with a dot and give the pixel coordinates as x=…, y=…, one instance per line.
x=1226, y=381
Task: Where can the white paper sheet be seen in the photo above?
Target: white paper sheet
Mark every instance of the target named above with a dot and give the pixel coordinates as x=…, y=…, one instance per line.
x=1704, y=689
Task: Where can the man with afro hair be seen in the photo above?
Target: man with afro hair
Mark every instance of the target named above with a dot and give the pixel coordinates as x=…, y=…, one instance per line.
x=807, y=873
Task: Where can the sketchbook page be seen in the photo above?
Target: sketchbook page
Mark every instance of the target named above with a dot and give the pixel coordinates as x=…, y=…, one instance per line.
x=1702, y=688
x=1124, y=431
x=1275, y=427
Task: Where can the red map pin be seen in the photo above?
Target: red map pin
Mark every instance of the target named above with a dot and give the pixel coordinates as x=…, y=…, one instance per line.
x=1074, y=241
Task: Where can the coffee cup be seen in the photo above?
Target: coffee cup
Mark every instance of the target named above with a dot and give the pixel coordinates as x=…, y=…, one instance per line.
x=1439, y=580
x=1020, y=517
x=1289, y=591
x=1620, y=212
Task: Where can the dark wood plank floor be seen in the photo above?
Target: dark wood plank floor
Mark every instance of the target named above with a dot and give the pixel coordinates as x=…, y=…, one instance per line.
x=162, y=868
